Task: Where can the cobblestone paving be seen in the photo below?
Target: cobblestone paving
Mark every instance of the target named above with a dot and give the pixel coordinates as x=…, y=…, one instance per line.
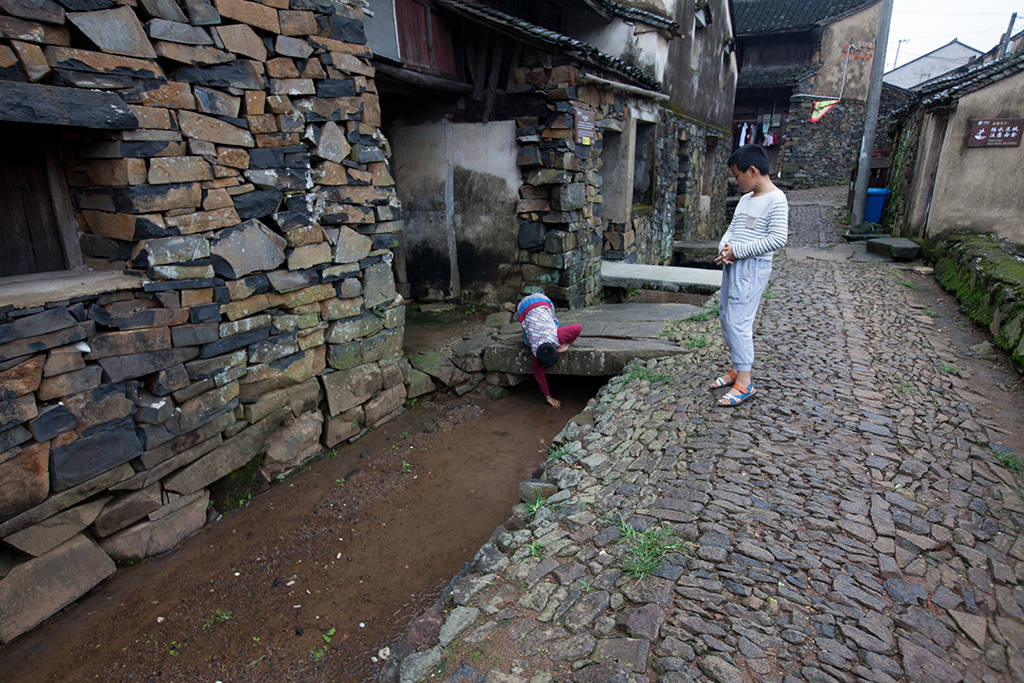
x=852, y=522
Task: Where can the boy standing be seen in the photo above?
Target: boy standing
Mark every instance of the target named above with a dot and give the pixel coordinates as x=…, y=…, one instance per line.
x=759, y=228
x=545, y=339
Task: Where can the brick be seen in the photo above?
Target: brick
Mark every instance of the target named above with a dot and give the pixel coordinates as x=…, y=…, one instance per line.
x=57, y=386
x=23, y=378
x=178, y=170
x=251, y=13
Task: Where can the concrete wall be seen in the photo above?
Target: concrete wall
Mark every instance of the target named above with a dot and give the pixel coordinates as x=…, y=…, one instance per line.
x=699, y=78
x=459, y=190
x=980, y=188
x=859, y=31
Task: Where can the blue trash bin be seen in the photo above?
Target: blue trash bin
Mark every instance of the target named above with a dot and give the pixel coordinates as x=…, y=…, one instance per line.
x=874, y=204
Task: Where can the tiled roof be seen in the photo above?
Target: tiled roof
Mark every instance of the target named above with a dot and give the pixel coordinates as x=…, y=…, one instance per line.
x=637, y=14
x=780, y=16
x=773, y=76
x=532, y=33
x=967, y=80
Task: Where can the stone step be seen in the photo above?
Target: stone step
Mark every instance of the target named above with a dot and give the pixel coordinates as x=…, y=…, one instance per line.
x=664, y=278
x=613, y=334
x=896, y=248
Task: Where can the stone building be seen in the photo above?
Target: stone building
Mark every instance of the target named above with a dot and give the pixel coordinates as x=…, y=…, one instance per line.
x=794, y=54
x=534, y=139
x=196, y=269
x=958, y=157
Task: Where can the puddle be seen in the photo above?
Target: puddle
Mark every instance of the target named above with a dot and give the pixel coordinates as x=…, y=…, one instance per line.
x=314, y=576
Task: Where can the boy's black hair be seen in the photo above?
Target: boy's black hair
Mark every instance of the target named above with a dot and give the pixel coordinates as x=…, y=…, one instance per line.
x=746, y=156
x=547, y=354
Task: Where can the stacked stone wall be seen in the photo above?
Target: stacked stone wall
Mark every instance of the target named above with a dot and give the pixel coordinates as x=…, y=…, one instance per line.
x=822, y=153
x=692, y=221
x=901, y=173
x=254, y=201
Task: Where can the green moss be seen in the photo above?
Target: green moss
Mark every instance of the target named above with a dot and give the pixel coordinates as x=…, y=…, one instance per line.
x=236, y=489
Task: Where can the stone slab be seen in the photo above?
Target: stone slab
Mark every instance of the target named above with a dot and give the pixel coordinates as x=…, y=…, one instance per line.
x=35, y=103
x=896, y=248
x=155, y=536
x=36, y=589
x=117, y=31
x=663, y=278
x=41, y=538
x=94, y=454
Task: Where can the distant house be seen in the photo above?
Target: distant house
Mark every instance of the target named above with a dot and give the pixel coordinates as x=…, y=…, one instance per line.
x=794, y=54
x=531, y=140
x=958, y=162
x=935, y=63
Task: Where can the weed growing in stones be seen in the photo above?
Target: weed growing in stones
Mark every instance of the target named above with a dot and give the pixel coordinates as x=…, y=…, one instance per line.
x=1010, y=461
x=333, y=453
x=904, y=283
x=768, y=294
x=173, y=648
x=950, y=369
x=712, y=311
x=698, y=342
x=537, y=549
x=645, y=549
x=585, y=586
x=906, y=388
x=558, y=453
x=931, y=314
x=318, y=652
x=218, y=617
x=406, y=468
x=534, y=507
x=643, y=373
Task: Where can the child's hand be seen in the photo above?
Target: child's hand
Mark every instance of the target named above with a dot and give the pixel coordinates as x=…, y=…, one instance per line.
x=563, y=348
x=553, y=402
x=726, y=257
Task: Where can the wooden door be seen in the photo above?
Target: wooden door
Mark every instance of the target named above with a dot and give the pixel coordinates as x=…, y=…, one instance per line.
x=29, y=235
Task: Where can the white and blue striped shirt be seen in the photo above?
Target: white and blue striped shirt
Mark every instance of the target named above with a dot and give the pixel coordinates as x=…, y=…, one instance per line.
x=760, y=226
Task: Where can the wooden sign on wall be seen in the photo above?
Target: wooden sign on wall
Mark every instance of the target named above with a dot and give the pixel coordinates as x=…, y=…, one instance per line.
x=585, y=125
x=994, y=132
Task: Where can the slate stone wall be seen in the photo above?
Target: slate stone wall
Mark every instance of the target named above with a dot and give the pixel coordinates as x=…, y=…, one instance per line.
x=563, y=235
x=255, y=201
x=823, y=153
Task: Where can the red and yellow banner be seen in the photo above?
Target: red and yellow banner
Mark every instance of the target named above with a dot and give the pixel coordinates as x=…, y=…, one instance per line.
x=820, y=108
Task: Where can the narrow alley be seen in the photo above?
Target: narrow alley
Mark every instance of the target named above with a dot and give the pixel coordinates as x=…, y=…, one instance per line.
x=861, y=519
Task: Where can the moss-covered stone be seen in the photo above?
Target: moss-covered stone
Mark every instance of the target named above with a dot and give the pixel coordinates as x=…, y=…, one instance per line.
x=988, y=279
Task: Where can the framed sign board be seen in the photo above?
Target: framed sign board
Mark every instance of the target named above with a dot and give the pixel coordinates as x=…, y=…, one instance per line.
x=584, y=125
x=994, y=132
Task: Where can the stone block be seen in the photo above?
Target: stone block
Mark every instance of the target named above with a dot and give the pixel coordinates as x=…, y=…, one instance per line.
x=349, y=388
x=105, y=403
x=226, y=458
x=51, y=422
x=178, y=170
x=203, y=408
x=332, y=145
x=204, y=127
x=310, y=255
x=419, y=383
x=290, y=46
x=9, y=438
x=129, y=342
x=73, y=382
x=177, y=32
x=168, y=380
x=21, y=379
x=32, y=59
x=100, y=449
x=247, y=248
x=165, y=9
x=32, y=345
x=531, y=236
x=293, y=444
x=274, y=348
x=120, y=511
x=437, y=365
x=233, y=342
x=251, y=13
x=126, y=315
x=102, y=62
x=43, y=537
x=34, y=325
x=140, y=199
x=34, y=590
x=24, y=480
x=202, y=13
x=344, y=426
x=115, y=31
x=153, y=537
x=258, y=203
x=896, y=248
x=336, y=309
x=136, y=365
x=354, y=328
x=351, y=246
x=383, y=404
x=568, y=197
x=160, y=251
x=242, y=40
x=243, y=74
x=39, y=10
x=378, y=284
x=297, y=22
x=192, y=54
x=194, y=335
x=385, y=346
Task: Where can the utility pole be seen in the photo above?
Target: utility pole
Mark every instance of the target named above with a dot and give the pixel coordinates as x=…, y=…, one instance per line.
x=860, y=188
x=899, y=44
x=1005, y=40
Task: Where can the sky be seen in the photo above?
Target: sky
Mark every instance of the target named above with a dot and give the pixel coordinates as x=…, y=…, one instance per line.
x=924, y=25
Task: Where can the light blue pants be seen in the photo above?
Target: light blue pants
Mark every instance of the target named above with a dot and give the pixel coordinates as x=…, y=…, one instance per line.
x=743, y=283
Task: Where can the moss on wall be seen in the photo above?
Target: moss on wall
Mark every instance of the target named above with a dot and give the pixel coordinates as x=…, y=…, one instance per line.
x=987, y=276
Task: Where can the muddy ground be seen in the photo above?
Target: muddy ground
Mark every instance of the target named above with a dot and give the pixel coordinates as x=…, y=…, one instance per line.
x=311, y=578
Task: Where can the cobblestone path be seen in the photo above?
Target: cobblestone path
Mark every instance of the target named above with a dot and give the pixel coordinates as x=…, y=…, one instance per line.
x=852, y=522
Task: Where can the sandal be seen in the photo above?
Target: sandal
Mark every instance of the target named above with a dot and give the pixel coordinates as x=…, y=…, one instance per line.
x=724, y=381
x=729, y=400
